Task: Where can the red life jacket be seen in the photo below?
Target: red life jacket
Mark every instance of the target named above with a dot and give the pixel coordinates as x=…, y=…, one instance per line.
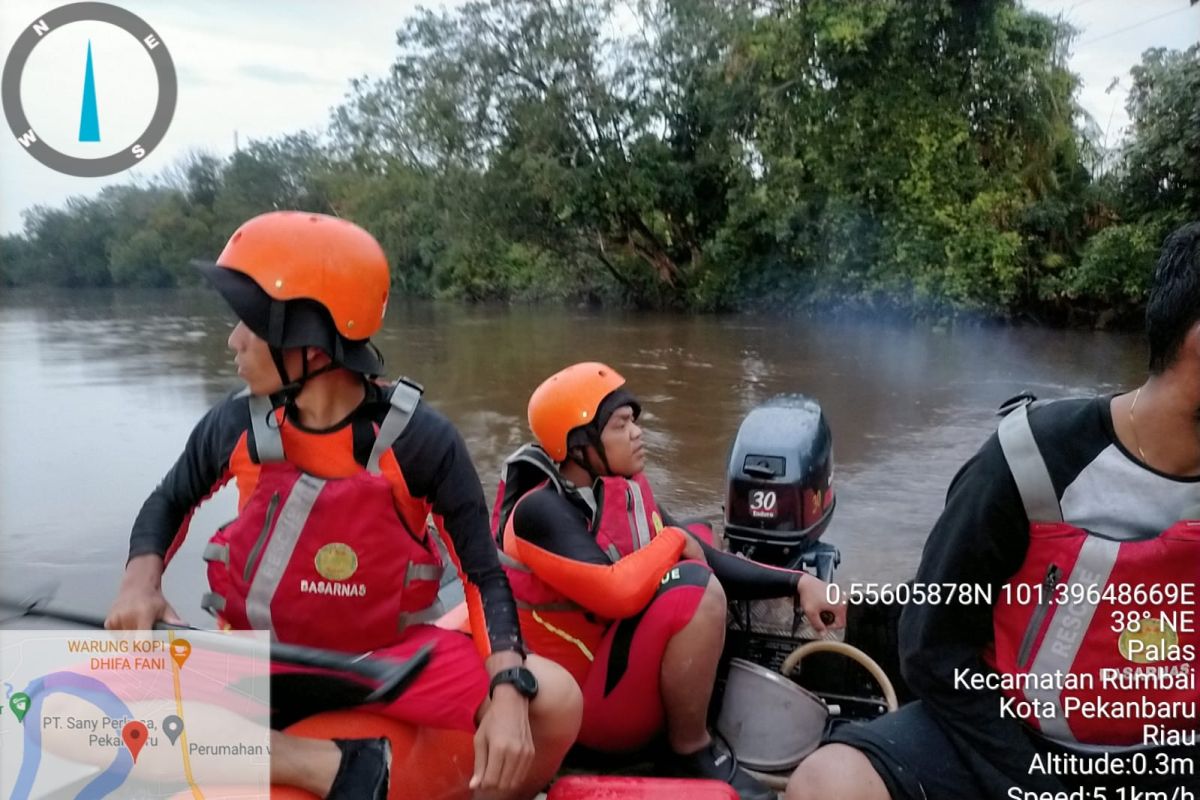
x=1056, y=617
x=332, y=563
x=624, y=518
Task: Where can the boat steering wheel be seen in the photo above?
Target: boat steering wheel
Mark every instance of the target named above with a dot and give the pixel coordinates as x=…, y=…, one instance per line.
x=851, y=652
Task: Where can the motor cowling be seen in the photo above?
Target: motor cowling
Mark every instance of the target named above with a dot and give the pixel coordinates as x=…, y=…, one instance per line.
x=779, y=480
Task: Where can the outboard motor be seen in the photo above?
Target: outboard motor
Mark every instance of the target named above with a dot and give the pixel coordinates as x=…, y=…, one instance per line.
x=779, y=501
x=780, y=486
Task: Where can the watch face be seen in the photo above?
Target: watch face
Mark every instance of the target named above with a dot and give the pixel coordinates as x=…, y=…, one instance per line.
x=526, y=683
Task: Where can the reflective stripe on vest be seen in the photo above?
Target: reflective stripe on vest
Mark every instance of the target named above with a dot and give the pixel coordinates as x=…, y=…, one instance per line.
x=278, y=553
x=639, y=516
x=1063, y=639
x=404, y=400
x=1028, y=468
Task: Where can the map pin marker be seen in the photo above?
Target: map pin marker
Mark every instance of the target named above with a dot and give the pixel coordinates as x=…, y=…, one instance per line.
x=19, y=703
x=173, y=726
x=134, y=734
x=180, y=650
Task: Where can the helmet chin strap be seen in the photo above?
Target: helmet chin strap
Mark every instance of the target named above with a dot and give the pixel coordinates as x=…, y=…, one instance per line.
x=281, y=368
x=583, y=462
x=275, y=334
x=290, y=388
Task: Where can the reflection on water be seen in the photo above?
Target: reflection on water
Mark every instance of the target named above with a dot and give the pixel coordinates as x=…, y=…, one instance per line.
x=100, y=390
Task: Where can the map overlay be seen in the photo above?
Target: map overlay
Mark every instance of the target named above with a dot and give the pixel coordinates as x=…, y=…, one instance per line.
x=133, y=714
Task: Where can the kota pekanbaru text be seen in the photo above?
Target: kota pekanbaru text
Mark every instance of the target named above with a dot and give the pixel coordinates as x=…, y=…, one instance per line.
x=1099, y=708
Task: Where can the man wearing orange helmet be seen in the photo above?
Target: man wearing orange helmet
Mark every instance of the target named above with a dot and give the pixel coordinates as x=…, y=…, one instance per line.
x=609, y=586
x=337, y=475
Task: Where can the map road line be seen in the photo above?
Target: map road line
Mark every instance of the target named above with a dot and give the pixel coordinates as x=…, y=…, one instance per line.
x=183, y=742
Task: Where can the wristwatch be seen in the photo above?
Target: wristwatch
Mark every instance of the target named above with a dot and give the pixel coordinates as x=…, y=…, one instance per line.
x=522, y=680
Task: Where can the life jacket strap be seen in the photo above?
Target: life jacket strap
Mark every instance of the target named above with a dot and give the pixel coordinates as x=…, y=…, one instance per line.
x=404, y=400
x=425, y=616
x=212, y=602
x=528, y=467
x=538, y=458
x=421, y=572
x=638, y=509
x=1027, y=466
x=268, y=443
x=216, y=552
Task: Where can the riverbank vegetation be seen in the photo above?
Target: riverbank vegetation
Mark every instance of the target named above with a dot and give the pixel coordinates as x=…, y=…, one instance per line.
x=925, y=157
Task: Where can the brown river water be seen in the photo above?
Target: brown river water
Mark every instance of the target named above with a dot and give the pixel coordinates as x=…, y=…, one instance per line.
x=98, y=391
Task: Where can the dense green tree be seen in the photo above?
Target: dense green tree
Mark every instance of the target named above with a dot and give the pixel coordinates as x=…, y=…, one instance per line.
x=69, y=246
x=1162, y=158
x=904, y=142
x=1154, y=189
x=271, y=174
x=925, y=156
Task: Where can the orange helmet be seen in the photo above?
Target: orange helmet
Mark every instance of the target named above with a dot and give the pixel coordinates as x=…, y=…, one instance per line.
x=572, y=399
x=300, y=279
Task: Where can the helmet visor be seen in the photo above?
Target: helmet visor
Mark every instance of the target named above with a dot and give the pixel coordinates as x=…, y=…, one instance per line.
x=298, y=323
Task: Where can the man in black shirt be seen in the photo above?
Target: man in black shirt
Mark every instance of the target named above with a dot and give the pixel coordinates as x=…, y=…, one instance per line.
x=337, y=474
x=1061, y=488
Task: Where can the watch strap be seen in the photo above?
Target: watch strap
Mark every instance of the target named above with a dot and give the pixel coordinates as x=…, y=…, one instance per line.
x=517, y=677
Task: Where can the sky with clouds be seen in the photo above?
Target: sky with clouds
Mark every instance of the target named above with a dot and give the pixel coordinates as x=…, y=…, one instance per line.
x=272, y=67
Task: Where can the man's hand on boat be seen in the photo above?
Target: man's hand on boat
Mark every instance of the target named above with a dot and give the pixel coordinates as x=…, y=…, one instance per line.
x=503, y=742
x=140, y=601
x=814, y=602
